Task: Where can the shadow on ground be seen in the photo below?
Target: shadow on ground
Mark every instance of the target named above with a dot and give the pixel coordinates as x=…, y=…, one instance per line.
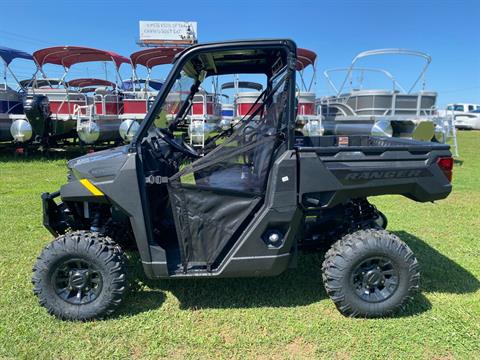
x=296, y=287
x=439, y=273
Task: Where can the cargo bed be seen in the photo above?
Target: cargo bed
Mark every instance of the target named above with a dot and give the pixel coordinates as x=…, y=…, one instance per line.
x=333, y=169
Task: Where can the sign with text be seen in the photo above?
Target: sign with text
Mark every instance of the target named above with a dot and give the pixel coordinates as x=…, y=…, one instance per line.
x=170, y=31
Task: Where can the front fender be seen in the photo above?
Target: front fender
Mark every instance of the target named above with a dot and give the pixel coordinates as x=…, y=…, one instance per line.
x=80, y=190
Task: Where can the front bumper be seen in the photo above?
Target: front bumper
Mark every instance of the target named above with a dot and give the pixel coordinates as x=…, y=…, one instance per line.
x=55, y=218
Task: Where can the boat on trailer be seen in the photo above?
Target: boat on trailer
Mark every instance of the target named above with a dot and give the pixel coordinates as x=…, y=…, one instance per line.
x=387, y=112
x=100, y=121
x=139, y=94
x=248, y=102
x=14, y=125
x=59, y=111
x=204, y=114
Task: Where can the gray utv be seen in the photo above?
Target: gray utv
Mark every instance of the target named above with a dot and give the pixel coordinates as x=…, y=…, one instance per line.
x=244, y=205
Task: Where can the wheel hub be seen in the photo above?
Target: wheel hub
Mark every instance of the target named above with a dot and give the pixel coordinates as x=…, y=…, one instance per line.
x=77, y=281
x=375, y=279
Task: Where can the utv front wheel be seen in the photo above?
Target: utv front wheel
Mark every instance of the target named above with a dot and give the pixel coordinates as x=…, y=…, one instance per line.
x=80, y=276
x=370, y=273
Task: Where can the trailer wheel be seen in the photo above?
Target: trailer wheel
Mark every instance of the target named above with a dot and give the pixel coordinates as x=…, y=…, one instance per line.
x=370, y=273
x=80, y=276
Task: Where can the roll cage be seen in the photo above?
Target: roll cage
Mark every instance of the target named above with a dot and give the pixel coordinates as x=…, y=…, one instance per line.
x=254, y=57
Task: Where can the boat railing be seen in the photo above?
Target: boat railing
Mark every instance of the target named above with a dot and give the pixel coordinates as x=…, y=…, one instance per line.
x=113, y=98
x=66, y=99
x=214, y=114
x=392, y=51
x=16, y=105
x=84, y=115
x=395, y=84
x=342, y=101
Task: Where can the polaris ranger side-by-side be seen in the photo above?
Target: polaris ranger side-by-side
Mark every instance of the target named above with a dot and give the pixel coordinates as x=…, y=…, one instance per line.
x=244, y=205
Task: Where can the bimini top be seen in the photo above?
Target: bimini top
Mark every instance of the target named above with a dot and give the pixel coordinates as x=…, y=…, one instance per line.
x=155, y=56
x=86, y=82
x=8, y=54
x=69, y=55
x=305, y=58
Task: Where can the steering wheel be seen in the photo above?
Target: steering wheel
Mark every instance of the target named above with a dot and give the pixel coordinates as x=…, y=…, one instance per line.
x=182, y=147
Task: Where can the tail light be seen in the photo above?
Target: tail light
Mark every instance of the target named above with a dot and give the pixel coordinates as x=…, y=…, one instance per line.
x=446, y=165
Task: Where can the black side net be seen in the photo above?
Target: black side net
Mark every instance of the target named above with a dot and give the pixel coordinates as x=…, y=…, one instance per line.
x=212, y=197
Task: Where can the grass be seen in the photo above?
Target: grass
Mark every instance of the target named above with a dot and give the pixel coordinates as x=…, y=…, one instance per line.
x=284, y=317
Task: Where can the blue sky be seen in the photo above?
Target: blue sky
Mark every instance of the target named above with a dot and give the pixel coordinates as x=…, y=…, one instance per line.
x=447, y=30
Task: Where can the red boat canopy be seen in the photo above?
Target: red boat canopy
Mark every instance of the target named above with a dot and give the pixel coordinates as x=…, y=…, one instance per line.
x=85, y=82
x=69, y=55
x=305, y=58
x=155, y=56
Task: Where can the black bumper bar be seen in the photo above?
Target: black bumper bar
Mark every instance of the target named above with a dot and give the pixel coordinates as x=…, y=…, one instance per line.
x=54, y=216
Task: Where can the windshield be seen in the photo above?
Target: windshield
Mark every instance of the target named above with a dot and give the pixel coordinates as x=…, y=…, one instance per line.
x=191, y=108
x=175, y=101
x=455, y=107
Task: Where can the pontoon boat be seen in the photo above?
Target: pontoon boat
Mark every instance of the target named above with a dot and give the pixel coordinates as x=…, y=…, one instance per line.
x=59, y=111
x=14, y=125
x=387, y=112
x=308, y=122
x=140, y=93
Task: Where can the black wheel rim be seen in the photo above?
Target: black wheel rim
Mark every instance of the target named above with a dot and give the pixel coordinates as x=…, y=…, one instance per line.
x=375, y=279
x=77, y=281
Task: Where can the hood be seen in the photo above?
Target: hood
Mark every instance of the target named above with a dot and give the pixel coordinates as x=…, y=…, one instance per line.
x=99, y=166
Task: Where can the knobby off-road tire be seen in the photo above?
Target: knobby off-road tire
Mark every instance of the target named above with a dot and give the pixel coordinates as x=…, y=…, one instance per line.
x=370, y=273
x=80, y=276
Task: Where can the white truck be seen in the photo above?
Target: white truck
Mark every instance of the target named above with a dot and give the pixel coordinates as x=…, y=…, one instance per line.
x=466, y=116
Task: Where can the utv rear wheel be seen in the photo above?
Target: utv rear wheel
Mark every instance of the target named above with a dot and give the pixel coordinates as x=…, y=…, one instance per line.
x=370, y=273
x=80, y=276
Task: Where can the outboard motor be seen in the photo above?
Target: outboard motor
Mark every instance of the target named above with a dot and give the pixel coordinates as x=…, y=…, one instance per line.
x=37, y=109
